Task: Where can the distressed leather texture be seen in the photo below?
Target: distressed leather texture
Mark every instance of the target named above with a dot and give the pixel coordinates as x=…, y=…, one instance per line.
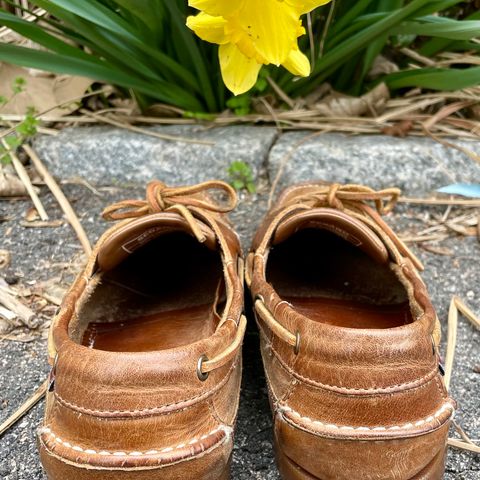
x=350, y=348
x=148, y=414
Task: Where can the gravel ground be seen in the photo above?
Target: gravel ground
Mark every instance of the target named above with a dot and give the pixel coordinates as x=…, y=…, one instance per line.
x=40, y=254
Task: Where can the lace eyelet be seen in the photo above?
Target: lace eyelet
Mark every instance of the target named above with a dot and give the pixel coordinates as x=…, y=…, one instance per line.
x=202, y=376
x=296, y=348
x=52, y=375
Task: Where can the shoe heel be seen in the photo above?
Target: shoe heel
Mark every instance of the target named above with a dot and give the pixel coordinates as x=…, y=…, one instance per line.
x=289, y=470
x=303, y=455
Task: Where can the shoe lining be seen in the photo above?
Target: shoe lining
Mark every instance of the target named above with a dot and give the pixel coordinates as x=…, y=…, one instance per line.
x=164, y=295
x=331, y=281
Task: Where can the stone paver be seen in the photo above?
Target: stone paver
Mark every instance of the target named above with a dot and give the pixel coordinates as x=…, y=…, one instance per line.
x=104, y=155
x=416, y=165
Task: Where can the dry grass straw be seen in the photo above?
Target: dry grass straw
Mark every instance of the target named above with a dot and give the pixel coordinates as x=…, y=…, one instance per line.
x=61, y=199
x=464, y=224
x=456, y=306
x=6, y=34
x=462, y=445
x=23, y=175
x=121, y=124
x=440, y=201
x=451, y=341
x=438, y=115
x=24, y=409
x=9, y=300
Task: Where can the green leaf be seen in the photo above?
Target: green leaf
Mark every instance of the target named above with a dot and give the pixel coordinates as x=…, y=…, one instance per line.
x=437, y=45
x=4, y=156
x=437, y=6
x=339, y=54
x=33, y=32
x=150, y=12
x=98, y=14
x=76, y=13
x=27, y=128
x=64, y=64
x=12, y=141
x=237, y=184
x=376, y=47
x=352, y=13
x=18, y=85
x=144, y=46
x=199, y=116
x=261, y=85
x=435, y=78
x=240, y=101
x=368, y=28
x=119, y=54
x=441, y=27
x=185, y=37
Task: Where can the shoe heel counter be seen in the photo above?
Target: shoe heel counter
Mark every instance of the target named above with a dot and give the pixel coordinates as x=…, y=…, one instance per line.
x=210, y=465
x=76, y=445
x=304, y=455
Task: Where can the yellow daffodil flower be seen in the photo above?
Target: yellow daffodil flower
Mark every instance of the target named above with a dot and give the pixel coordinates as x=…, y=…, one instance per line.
x=252, y=33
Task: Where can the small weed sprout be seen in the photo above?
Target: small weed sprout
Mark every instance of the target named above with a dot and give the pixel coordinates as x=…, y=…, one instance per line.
x=24, y=130
x=241, y=176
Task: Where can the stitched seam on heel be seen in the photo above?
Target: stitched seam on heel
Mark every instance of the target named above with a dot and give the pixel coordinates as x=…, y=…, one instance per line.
x=68, y=445
x=292, y=417
x=95, y=457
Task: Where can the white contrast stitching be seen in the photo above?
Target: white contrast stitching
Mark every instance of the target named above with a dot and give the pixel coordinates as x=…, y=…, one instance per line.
x=57, y=439
x=406, y=426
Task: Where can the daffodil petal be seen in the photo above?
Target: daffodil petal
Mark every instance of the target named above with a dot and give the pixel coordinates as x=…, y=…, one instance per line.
x=298, y=63
x=222, y=8
x=208, y=28
x=239, y=72
x=306, y=6
x=272, y=27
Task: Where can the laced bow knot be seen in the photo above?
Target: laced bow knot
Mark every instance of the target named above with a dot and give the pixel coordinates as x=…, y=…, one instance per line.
x=339, y=196
x=155, y=196
x=184, y=200
x=332, y=198
x=160, y=198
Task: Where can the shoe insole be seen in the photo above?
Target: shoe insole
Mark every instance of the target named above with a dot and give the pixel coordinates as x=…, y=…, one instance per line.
x=159, y=331
x=352, y=313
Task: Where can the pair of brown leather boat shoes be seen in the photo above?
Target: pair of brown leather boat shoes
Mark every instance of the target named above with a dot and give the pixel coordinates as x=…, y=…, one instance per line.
x=146, y=348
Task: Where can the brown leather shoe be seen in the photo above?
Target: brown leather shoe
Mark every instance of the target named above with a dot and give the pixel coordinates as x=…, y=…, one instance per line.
x=146, y=377
x=349, y=340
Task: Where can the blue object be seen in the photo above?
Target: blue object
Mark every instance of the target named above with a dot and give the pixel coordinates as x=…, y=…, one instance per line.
x=471, y=190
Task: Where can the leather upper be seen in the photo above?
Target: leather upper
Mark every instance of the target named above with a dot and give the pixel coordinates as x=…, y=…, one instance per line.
x=117, y=410
x=331, y=382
